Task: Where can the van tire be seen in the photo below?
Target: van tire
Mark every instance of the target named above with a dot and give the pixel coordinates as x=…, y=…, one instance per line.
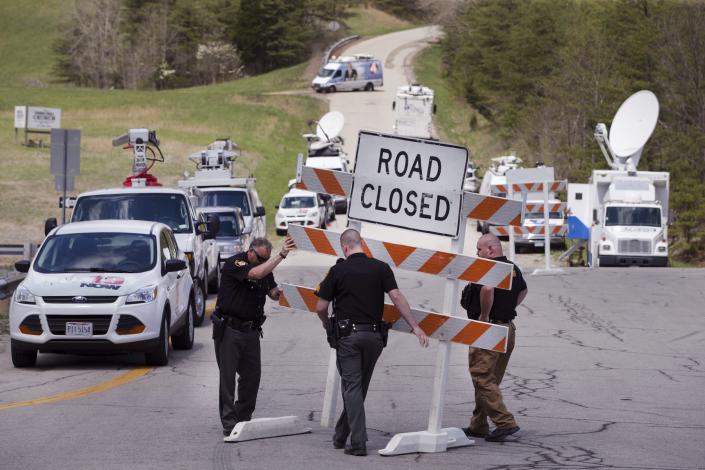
x=184, y=339
x=370, y=87
x=200, y=296
x=330, y=89
x=23, y=357
x=160, y=356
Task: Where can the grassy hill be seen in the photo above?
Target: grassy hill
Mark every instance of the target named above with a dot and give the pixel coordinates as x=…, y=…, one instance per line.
x=267, y=126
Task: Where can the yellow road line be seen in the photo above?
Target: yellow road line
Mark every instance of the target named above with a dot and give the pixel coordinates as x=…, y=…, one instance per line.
x=97, y=388
x=101, y=387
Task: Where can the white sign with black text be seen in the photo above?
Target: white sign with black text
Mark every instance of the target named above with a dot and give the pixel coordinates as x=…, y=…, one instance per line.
x=43, y=118
x=409, y=183
x=20, y=117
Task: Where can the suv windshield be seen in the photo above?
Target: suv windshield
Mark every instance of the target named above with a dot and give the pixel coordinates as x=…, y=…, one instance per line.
x=296, y=202
x=170, y=209
x=98, y=253
x=228, y=225
x=227, y=199
x=635, y=216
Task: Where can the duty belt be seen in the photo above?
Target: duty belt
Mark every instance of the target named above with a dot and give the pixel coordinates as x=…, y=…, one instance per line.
x=240, y=325
x=372, y=327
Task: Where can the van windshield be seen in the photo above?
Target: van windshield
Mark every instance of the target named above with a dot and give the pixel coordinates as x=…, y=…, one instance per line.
x=97, y=253
x=170, y=209
x=296, y=202
x=326, y=72
x=634, y=216
x=227, y=199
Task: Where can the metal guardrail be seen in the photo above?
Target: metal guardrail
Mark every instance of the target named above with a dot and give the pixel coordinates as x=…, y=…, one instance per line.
x=9, y=283
x=25, y=250
x=336, y=45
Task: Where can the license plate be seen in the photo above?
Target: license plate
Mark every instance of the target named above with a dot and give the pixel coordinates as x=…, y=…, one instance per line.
x=79, y=328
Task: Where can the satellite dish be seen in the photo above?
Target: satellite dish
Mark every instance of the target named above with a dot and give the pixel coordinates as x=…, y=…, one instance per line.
x=330, y=125
x=634, y=123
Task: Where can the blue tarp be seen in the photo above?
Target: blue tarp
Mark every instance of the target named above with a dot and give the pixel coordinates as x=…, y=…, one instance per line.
x=577, y=229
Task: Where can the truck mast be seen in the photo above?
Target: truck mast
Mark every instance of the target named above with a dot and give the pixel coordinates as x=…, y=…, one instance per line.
x=143, y=143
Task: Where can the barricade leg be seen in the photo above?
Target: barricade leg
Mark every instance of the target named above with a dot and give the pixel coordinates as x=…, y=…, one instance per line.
x=262, y=428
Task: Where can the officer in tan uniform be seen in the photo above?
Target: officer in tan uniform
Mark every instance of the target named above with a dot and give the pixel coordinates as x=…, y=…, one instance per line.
x=487, y=368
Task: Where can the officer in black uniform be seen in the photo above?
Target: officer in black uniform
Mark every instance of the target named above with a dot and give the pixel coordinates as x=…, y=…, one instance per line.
x=357, y=286
x=237, y=320
x=487, y=368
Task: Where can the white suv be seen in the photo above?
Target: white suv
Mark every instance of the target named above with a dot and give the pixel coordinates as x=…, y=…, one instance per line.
x=302, y=208
x=105, y=286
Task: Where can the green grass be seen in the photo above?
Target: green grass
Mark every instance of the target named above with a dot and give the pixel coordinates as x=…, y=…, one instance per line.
x=28, y=30
x=372, y=22
x=456, y=121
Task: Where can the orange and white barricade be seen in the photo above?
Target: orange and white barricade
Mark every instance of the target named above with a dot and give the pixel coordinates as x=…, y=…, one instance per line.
x=550, y=186
x=538, y=207
x=453, y=266
x=495, y=210
x=436, y=325
x=536, y=230
x=318, y=180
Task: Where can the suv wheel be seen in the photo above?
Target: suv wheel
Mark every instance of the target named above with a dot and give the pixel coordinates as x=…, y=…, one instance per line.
x=214, y=284
x=184, y=340
x=23, y=357
x=160, y=356
x=199, y=299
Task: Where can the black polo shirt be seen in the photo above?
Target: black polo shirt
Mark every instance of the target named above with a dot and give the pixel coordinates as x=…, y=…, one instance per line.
x=357, y=286
x=505, y=301
x=239, y=296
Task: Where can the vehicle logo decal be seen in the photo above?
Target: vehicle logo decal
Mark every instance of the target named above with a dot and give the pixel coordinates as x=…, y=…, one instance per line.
x=104, y=282
x=79, y=299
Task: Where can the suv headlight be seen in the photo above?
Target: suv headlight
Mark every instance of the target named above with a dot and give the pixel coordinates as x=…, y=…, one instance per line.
x=24, y=296
x=142, y=296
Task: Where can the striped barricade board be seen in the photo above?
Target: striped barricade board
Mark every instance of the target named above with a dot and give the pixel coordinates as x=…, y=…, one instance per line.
x=528, y=187
x=495, y=210
x=436, y=325
x=536, y=230
x=335, y=183
x=538, y=207
x=454, y=266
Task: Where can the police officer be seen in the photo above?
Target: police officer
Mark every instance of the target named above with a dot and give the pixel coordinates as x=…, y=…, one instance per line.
x=246, y=280
x=357, y=286
x=487, y=367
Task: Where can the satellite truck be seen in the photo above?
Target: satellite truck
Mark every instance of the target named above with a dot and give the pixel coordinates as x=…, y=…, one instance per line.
x=414, y=107
x=623, y=212
x=349, y=73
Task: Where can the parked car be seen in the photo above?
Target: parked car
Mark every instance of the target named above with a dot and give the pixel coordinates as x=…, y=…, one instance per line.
x=246, y=198
x=233, y=235
x=170, y=206
x=300, y=207
x=106, y=286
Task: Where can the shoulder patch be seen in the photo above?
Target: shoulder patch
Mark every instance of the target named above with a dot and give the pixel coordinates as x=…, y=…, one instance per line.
x=240, y=263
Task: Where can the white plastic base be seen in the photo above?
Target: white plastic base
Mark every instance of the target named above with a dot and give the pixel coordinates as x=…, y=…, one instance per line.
x=426, y=441
x=262, y=428
x=547, y=272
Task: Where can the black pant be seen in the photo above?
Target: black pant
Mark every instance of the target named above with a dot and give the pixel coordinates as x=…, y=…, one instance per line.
x=357, y=355
x=238, y=352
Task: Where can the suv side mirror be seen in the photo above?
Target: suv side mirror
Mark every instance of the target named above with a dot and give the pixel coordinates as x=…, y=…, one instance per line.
x=22, y=266
x=174, y=265
x=49, y=225
x=259, y=211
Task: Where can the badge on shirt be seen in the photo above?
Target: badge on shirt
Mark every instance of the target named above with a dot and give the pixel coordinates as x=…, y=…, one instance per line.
x=240, y=263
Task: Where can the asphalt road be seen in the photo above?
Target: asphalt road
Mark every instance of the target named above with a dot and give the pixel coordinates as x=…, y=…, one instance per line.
x=607, y=373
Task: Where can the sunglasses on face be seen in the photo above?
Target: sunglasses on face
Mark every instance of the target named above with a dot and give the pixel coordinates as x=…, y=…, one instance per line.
x=261, y=259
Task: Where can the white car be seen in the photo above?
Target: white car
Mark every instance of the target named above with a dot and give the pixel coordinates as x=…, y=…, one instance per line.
x=108, y=286
x=233, y=235
x=302, y=208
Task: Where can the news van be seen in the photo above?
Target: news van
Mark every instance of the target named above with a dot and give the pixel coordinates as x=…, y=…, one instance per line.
x=349, y=73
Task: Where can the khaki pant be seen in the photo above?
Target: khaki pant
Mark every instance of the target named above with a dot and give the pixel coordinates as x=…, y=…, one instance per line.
x=487, y=370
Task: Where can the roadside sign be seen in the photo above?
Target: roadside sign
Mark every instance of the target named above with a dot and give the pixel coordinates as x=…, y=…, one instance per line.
x=65, y=152
x=409, y=183
x=43, y=118
x=20, y=117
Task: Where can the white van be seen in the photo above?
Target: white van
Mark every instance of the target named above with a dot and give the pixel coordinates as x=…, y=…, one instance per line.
x=359, y=72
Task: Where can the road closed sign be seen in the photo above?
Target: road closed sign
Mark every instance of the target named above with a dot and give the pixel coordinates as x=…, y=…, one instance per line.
x=409, y=183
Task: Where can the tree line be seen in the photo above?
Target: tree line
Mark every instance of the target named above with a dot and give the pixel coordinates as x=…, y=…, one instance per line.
x=177, y=43
x=545, y=72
